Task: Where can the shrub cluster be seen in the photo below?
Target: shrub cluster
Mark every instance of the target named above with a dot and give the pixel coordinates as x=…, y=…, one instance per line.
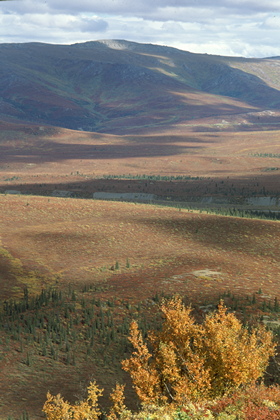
x=188, y=371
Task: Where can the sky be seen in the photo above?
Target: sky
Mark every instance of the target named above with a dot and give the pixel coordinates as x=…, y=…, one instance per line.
x=248, y=28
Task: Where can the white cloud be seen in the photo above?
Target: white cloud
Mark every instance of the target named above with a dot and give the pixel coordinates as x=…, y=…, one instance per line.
x=225, y=27
x=272, y=22
x=93, y=24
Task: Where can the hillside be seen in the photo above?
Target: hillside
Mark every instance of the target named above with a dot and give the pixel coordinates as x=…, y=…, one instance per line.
x=120, y=86
x=183, y=164
x=90, y=267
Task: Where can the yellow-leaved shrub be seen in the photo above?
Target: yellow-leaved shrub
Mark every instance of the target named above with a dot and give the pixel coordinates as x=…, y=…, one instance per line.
x=56, y=408
x=187, y=361
x=183, y=367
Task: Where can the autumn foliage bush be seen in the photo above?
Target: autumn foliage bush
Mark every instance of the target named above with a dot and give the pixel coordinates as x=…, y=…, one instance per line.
x=256, y=402
x=189, y=371
x=56, y=408
x=187, y=361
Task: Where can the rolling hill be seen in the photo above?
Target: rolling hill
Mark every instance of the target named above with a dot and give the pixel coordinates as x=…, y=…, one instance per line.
x=74, y=273
x=116, y=86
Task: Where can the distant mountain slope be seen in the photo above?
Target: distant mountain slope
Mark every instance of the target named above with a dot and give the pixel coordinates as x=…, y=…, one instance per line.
x=119, y=85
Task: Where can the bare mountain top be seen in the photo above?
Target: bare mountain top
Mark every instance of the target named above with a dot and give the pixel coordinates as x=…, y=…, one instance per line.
x=121, y=86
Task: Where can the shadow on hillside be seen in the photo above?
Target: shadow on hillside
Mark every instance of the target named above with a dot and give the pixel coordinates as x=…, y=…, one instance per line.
x=54, y=151
x=246, y=236
x=8, y=282
x=213, y=74
x=232, y=189
x=133, y=89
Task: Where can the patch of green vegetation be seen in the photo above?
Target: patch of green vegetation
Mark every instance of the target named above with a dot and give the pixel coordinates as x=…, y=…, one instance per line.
x=224, y=211
x=70, y=326
x=153, y=177
x=266, y=155
x=24, y=416
x=22, y=277
x=76, y=326
x=13, y=178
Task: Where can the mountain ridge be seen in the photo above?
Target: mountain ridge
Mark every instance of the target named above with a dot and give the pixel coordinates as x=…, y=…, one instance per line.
x=113, y=85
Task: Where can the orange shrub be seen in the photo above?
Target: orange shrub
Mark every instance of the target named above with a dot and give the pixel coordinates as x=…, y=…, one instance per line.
x=191, y=362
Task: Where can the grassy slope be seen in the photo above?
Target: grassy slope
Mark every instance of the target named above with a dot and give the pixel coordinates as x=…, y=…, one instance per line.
x=232, y=163
x=57, y=242
x=79, y=240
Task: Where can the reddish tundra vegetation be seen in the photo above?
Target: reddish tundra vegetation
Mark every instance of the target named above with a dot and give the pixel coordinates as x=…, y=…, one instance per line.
x=124, y=254
x=75, y=271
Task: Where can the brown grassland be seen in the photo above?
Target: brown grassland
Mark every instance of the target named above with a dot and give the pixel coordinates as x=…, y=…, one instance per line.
x=126, y=253
x=39, y=159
